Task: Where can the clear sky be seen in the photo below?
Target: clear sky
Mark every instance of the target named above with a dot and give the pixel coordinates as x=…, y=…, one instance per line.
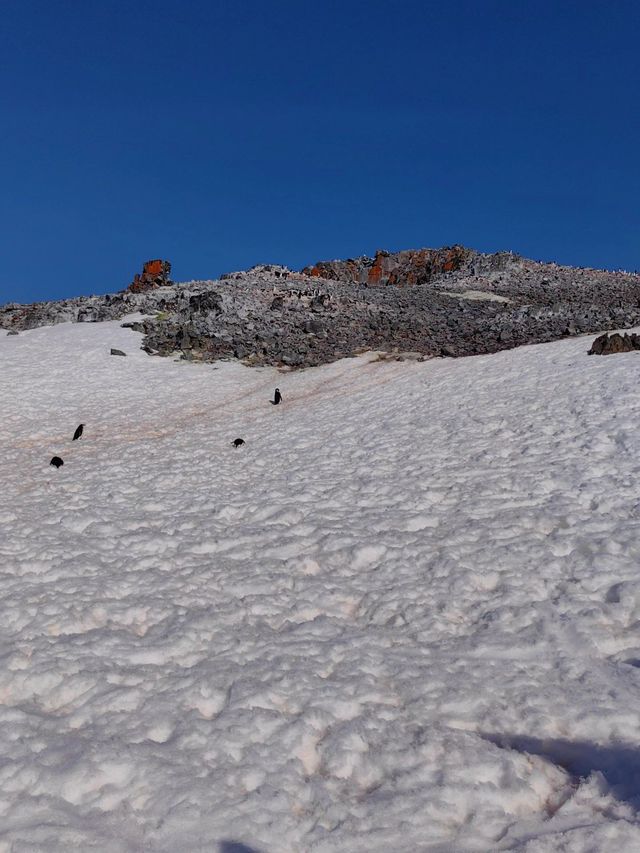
x=225, y=133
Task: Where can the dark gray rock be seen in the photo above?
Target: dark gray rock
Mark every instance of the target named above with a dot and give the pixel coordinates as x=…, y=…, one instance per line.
x=184, y=338
x=294, y=359
x=117, y=352
x=207, y=302
x=313, y=327
x=240, y=351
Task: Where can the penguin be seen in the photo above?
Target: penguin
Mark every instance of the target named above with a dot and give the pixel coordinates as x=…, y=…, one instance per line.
x=78, y=432
x=56, y=462
x=238, y=442
x=277, y=397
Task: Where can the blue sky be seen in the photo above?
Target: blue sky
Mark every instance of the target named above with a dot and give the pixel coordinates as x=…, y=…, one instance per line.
x=223, y=134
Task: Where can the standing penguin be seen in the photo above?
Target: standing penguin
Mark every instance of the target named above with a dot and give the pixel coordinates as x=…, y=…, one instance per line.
x=277, y=397
x=78, y=432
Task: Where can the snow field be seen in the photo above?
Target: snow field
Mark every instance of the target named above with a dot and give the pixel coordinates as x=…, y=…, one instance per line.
x=404, y=616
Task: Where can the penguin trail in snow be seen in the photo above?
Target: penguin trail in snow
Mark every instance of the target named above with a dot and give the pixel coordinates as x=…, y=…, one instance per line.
x=56, y=462
x=78, y=432
x=277, y=397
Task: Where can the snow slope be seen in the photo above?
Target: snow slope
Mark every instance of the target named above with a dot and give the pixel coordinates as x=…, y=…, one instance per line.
x=405, y=616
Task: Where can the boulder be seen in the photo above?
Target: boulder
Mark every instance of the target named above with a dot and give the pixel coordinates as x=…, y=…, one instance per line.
x=293, y=359
x=86, y=315
x=205, y=303
x=313, y=327
x=610, y=344
x=117, y=352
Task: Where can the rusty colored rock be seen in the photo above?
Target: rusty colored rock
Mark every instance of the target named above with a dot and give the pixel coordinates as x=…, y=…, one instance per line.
x=614, y=343
x=154, y=274
x=377, y=270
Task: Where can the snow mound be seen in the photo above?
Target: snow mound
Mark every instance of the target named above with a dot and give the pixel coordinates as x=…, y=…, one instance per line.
x=403, y=616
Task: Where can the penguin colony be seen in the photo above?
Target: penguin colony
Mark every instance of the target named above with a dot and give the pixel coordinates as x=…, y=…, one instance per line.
x=58, y=462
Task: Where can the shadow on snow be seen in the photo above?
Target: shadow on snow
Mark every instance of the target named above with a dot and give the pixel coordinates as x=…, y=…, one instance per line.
x=619, y=764
x=236, y=847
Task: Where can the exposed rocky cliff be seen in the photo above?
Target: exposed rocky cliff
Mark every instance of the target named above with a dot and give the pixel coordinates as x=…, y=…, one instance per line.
x=451, y=301
x=413, y=266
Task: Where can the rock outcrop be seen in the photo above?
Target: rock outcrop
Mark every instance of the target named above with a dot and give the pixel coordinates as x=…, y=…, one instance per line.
x=427, y=302
x=615, y=343
x=154, y=274
x=411, y=267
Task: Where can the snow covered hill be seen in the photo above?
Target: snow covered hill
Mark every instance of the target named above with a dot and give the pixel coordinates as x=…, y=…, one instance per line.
x=404, y=616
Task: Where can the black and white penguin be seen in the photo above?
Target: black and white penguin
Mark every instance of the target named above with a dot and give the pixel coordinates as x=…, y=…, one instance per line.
x=78, y=432
x=238, y=441
x=56, y=462
x=277, y=398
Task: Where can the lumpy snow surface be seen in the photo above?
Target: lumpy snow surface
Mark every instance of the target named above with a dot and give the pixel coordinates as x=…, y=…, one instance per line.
x=404, y=616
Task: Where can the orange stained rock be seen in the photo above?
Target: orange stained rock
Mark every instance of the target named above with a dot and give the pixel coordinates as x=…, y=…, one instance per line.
x=375, y=273
x=153, y=268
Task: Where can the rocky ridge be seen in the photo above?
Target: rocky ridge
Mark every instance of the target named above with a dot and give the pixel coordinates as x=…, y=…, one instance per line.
x=428, y=302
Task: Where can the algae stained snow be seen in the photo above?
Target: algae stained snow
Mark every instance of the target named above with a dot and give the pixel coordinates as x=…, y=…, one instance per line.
x=403, y=616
